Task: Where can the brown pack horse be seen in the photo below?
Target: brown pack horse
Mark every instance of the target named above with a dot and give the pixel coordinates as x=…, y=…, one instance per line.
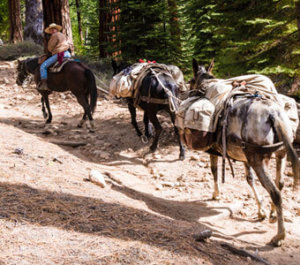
x=74, y=77
x=256, y=128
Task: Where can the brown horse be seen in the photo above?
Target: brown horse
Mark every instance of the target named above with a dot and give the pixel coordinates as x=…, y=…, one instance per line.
x=74, y=77
x=253, y=127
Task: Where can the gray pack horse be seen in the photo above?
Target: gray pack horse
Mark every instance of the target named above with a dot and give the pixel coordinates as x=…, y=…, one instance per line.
x=256, y=127
x=74, y=77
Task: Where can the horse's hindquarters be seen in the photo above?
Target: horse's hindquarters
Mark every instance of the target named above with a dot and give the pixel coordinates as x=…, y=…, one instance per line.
x=197, y=140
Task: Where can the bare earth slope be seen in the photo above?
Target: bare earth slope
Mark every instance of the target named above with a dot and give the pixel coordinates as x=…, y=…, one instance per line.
x=51, y=214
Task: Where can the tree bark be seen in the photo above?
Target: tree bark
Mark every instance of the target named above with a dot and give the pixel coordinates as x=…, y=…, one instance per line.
x=15, y=21
x=174, y=26
x=34, y=21
x=79, y=20
x=57, y=11
x=103, y=28
x=114, y=41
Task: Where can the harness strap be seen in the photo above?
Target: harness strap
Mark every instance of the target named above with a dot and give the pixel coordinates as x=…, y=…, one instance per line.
x=224, y=134
x=154, y=100
x=262, y=149
x=173, y=107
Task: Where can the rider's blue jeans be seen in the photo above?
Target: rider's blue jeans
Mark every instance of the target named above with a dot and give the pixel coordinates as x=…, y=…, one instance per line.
x=48, y=62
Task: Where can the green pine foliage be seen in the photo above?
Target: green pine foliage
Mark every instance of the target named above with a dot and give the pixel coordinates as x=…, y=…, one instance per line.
x=4, y=21
x=243, y=36
x=90, y=24
x=246, y=36
x=143, y=30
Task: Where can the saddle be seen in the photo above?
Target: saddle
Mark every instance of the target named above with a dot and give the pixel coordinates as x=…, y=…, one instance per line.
x=56, y=67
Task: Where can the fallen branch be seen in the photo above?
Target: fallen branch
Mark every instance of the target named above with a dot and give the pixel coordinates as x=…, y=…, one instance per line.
x=244, y=253
x=103, y=90
x=68, y=143
x=111, y=176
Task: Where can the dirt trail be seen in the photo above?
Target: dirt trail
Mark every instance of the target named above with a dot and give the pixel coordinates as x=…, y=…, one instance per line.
x=50, y=213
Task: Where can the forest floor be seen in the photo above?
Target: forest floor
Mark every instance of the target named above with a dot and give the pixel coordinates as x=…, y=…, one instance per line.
x=151, y=208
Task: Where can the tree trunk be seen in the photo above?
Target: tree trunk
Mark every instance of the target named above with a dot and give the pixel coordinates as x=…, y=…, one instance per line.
x=34, y=21
x=103, y=28
x=57, y=11
x=79, y=20
x=114, y=41
x=174, y=26
x=15, y=21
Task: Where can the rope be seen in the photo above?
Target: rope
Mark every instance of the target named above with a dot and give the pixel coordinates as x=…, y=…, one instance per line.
x=172, y=105
x=224, y=135
x=106, y=91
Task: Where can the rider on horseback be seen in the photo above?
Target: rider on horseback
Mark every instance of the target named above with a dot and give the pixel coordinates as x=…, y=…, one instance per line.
x=58, y=47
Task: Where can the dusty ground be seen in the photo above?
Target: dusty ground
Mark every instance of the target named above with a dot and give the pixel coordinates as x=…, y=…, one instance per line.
x=51, y=214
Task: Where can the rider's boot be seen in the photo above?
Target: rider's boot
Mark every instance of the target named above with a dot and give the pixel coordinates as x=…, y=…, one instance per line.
x=43, y=85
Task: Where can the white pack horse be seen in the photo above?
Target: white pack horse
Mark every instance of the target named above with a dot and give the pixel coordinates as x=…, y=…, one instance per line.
x=256, y=126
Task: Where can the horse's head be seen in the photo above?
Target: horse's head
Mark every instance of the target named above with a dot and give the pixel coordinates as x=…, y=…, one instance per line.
x=25, y=68
x=200, y=74
x=22, y=72
x=118, y=67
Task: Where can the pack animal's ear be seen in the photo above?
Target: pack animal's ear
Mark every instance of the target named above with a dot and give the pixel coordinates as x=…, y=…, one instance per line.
x=211, y=66
x=114, y=65
x=195, y=67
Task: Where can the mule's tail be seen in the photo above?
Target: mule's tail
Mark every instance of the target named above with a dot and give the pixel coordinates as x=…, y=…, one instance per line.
x=92, y=89
x=283, y=136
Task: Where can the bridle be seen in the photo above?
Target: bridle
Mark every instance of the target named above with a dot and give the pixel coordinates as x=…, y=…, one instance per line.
x=24, y=71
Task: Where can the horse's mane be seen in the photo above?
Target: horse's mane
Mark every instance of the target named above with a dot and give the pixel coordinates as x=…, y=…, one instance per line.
x=32, y=63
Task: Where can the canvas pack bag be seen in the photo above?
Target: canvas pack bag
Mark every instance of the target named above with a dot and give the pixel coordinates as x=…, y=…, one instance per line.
x=196, y=113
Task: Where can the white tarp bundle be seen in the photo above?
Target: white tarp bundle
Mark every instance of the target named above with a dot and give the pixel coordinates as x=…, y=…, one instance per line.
x=121, y=84
x=217, y=93
x=126, y=82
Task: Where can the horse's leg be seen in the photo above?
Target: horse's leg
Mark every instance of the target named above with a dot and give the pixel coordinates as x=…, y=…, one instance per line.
x=132, y=111
x=280, y=167
x=45, y=95
x=148, y=126
x=259, y=165
x=250, y=180
x=82, y=121
x=214, y=171
x=83, y=101
x=158, y=129
x=181, y=148
x=84, y=117
x=45, y=115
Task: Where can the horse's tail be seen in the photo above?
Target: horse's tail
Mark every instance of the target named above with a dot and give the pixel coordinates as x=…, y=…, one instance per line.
x=283, y=136
x=92, y=89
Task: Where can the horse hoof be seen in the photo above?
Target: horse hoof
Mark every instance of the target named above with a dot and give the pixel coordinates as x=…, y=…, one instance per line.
x=92, y=130
x=277, y=240
x=261, y=215
x=153, y=147
x=181, y=157
x=47, y=126
x=272, y=218
x=216, y=197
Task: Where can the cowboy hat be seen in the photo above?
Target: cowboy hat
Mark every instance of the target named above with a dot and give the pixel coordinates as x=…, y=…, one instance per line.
x=53, y=26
